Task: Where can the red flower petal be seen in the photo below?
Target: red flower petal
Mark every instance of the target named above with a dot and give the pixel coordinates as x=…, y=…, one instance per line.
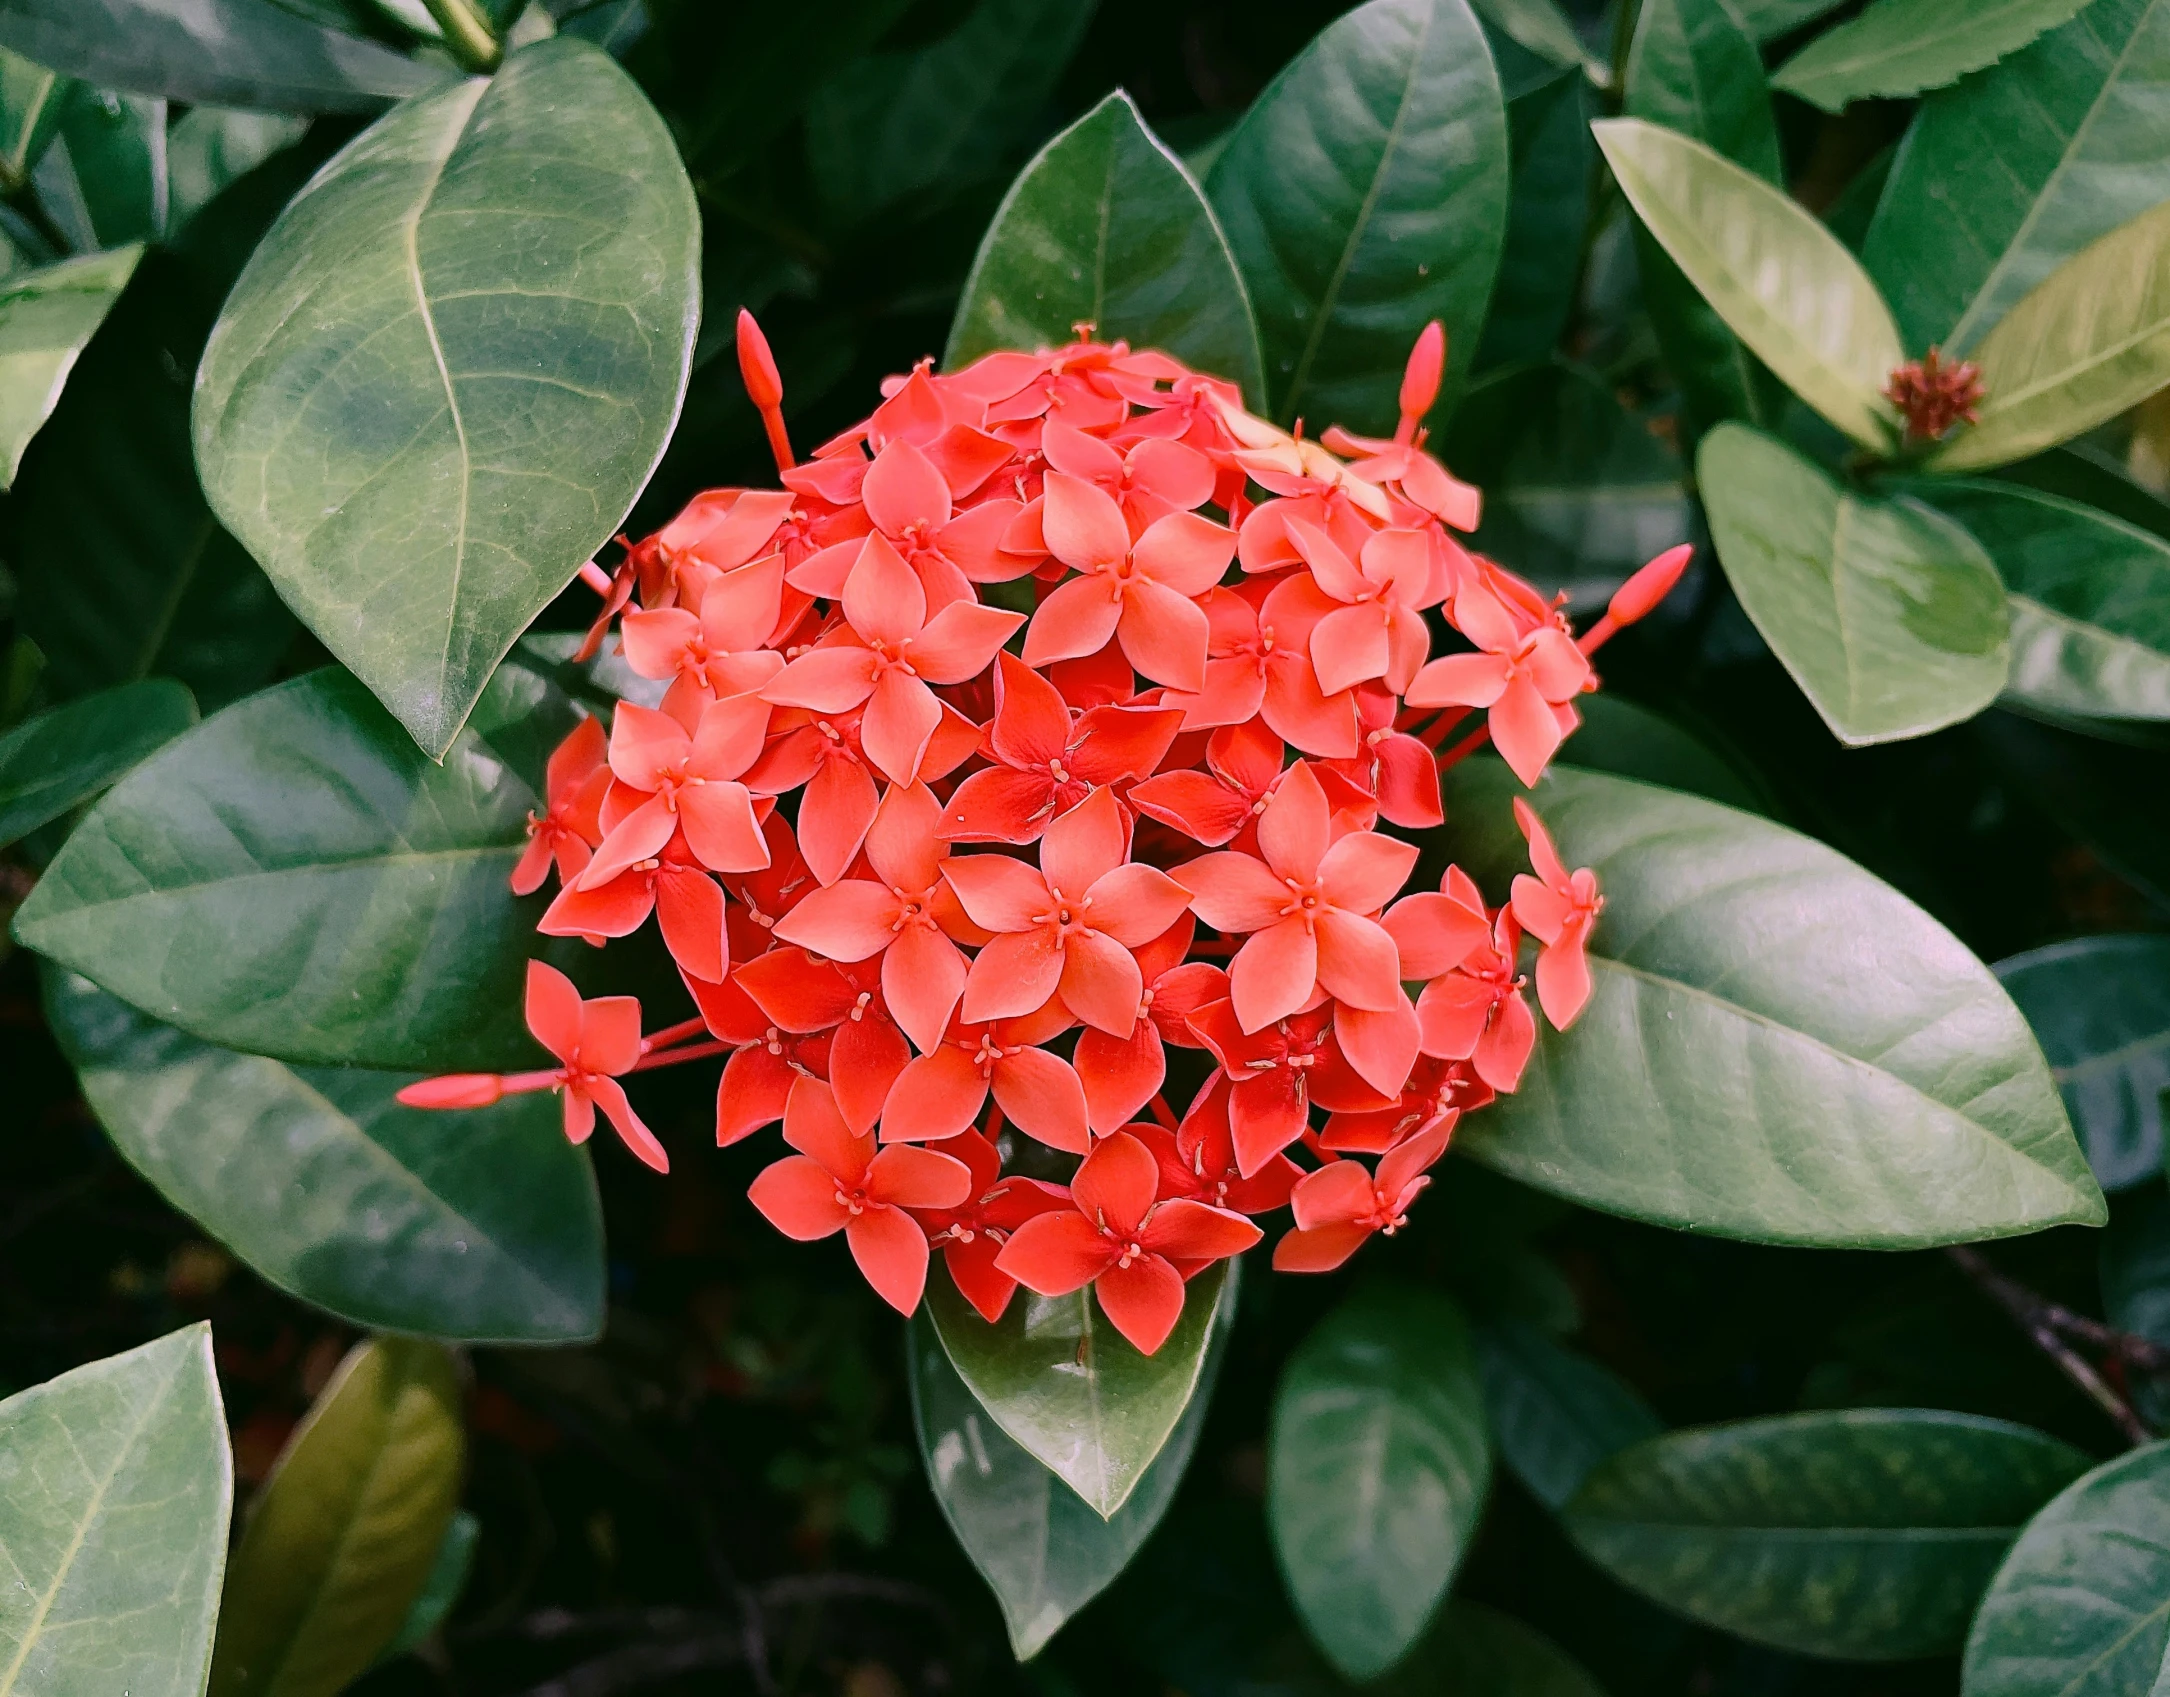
x=1320, y=1250
x=936, y=1096
x=1043, y=1097
x=1275, y=973
x=848, y=921
x=1192, y=1231
x=904, y=1175
x=1143, y=1301
x=798, y=1197
x=1057, y=1253
x=892, y=1252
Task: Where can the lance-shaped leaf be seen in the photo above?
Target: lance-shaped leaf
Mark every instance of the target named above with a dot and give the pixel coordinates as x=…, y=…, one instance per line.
x=47, y=317
x=1106, y=227
x=2009, y=173
x=2101, y=1008
x=1779, y=1046
x=2091, y=340
x=295, y=878
x=448, y=1575
x=102, y=182
x=2089, y=597
x=1769, y=19
x=1071, y=1390
x=1900, y=47
x=68, y=754
x=31, y=99
x=342, y=1537
x=113, y=1524
x=1555, y=1414
x=451, y=366
x=1042, y=1551
x=1548, y=207
x=1866, y=1534
x=1888, y=615
x=1365, y=193
x=1782, y=282
x=481, y=1226
x=1377, y=1466
x=2081, y=1606
x=237, y=52
x=1545, y=30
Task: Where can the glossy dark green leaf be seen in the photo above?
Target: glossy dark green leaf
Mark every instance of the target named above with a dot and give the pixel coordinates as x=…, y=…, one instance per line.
x=1548, y=209
x=2089, y=599
x=2083, y=472
x=2113, y=798
x=1475, y=1651
x=295, y=878
x=1365, y=193
x=2081, y=1606
x=115, y=1489
x=1042, y=1551
x=1866, y=1534
x=1555, y=1414
x=1576, y=492
x=1782, y=282
x=342, y=1537
x=47, y=317
x=209, y=147
x=2134, y=1263
x=448, y=1575
x=451, y=366
x=103, y=179
x=2100, y=1007
x=2008, y=174
x=1900, y=47
x=2091, y=339
x=1074, y=1393
x=1888, y=615
x=1376, y=1470
x=1849, y=213
x=1631, y=741
x=1543, y=29
x=1769, y=19
x=1106, y=227
x=1749, y=977
x=480, y=1226
x=31, y=100
x=232, y=52
x=66, y=755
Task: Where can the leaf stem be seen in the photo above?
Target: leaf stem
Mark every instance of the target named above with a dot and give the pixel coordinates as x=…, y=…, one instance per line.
x=468, y=34
x=2041, y=1320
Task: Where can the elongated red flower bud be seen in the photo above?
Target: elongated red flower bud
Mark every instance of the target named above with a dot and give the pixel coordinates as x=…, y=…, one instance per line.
x=454, y=1090
x=1420, y=378
x=764, y=383
x=1639, y=596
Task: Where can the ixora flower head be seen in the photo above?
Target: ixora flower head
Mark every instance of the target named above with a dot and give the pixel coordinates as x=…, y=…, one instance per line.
x=914, y=843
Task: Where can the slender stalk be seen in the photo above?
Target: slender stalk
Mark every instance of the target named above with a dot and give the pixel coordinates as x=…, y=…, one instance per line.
x=468, y=34
x=2033, y=1315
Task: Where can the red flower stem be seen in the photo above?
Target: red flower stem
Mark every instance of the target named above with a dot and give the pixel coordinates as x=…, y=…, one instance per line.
x=993, y=1126
x=1462, y=750
x=690, y=1052
x=518, y=1083
x=772, y=420
x=1215, y=946
x=1436, y=732
x=682, y=1032
x=1162, y=1112
x=595, y=578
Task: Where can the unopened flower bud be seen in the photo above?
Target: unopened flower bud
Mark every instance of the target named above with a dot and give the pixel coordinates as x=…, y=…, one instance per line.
x=454, y=1090
x=757, y=366
x=1420, y=379
x=1639, y=596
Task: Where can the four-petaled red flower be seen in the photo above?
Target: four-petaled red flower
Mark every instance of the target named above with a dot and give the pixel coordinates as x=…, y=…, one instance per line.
x=595, y=1041
x=972, y=1234
x=1344, y=1202
x=1558, y=908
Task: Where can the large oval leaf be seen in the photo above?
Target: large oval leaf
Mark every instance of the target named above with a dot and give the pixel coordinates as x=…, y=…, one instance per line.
x=115, y=1490
x=451, y=366
x=1043, y=1553
x=2101, y=1008
x=1889, y=616
x=2081, y=1607
x=1548, y=208
x=1779, y=1046
x=1071, y=1390
x=1861, y=1533
x=1783, y=283
x=1475, y=1651
x=66, y=755
x=242, y=52
x=2091, y=340
x=295, y=878
x=1365, y=193
x=1629, y=740
x=2112, y=796
x=2089, y=597
x=1900, y=47
x=1555, y=1414
x=344, y=1533
x=483, y=1227
x=1105, y=227
x=1377, y=1466
x=2008, y=174
x=47, y=316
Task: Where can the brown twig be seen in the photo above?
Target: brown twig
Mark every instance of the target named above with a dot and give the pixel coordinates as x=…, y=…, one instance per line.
x=2039, y=1318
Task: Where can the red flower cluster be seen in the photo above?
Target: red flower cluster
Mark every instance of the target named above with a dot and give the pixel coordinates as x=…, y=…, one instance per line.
x=1042, y=722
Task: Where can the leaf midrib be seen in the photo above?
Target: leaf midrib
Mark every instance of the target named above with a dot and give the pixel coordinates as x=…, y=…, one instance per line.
x=168, y=891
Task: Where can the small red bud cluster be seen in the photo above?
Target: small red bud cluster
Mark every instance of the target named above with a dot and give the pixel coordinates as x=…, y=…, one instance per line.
x=1933, y=395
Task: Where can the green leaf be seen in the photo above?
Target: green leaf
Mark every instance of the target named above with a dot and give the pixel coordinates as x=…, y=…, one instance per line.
x=516, y=263
x=219, y=52
x=294, y=878
x=66, y=755
x=2100, y=1007
x=118, y=1485
x=448, y=1576
x=2083, y=472
x=1070, y=1390
x=2134, y=1263
x=344, y=1533
x=1548, y=208
x=1746, y=975
x=2081, y=1606
x=46, y=318
x=1555, y=1414
x=1630, y=741
x=1888, y=615
x=2092, y=339
x=1767, y=20
x=31, y=99
x=1376, y=1470
x=2114, y=799
x=1475, y=1651
x=103, y=179
x=2089, y=599
x=209, y=147
x=1544, y=29
x=1365, y=193
x=1042, y=1551
x=2007, y=175
x=1900, y=47
x=1105, y=227
x=1783, y=283
x=481, y=1226
x=1576, y=493
x=1863, y=1534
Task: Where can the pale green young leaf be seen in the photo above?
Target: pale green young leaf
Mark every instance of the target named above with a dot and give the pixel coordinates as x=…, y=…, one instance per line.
x=1900, y=47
